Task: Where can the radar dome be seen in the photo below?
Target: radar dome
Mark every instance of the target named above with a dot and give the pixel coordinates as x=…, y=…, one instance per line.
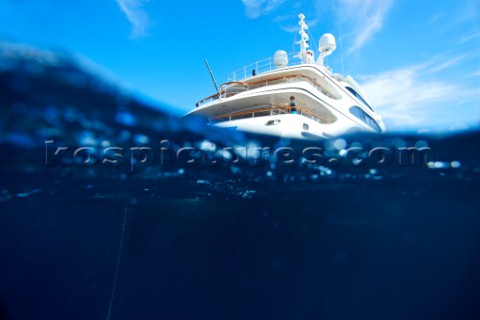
x=280, y=59
x=327, y=44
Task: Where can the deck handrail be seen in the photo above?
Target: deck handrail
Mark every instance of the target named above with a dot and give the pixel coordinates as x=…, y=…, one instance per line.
x=286, y=109
x=261, y=66
x=224, y=87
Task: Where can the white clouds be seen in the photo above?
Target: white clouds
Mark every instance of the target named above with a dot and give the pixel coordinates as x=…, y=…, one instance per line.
x=441, y=66
x=467, y=12
x=468, y=38
x=367, y=18
x=474, y=74
x=364, y=17
x=257, y=8
x=408, y=97
x=138, y=17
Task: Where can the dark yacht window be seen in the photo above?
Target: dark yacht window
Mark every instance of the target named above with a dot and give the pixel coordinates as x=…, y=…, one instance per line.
x=359, y=97
x=272, y=122
x=362, y=115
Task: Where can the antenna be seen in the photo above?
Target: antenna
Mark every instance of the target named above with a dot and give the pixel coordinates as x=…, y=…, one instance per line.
x=302, y=55
x=341, y=45
x=213, y=78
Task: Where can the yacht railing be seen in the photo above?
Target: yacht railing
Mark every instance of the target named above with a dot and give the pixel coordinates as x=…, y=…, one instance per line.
x=260, y=67
x=230, y=89
x=268, y=111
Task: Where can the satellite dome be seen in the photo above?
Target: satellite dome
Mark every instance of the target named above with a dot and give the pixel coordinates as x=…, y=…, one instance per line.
x=327, y=44
x=280, y=59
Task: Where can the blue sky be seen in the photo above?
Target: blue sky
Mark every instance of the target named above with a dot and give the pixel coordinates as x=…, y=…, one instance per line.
x=418, y=61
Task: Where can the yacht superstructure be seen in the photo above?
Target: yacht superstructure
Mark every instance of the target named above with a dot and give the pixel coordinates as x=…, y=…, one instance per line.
x=292, y=96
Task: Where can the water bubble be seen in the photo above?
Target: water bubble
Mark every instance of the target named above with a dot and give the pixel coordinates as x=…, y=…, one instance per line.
x=141, y=139
x=235, y=170
x=87, y=138
x=421, y=144
x=125, y=135
x=439, y=164
x=325, y=170
x=226, y=155
x=125, y=118
x=208, y=146
x=340, y=144
x=455, y=164
x=356, y=144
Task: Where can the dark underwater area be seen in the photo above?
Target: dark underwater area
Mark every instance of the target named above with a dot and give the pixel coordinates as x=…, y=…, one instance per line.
x=111, y=208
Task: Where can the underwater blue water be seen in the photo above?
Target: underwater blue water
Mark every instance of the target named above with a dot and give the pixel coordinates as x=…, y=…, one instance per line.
x=110, y=209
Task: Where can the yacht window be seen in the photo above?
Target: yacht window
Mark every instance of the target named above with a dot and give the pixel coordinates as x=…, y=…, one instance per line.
x=305, y=127
x=362, y=115
x=359, y=97
x=272, y=122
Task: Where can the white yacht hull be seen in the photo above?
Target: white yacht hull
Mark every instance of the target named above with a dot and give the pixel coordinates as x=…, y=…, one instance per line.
x=290, y=126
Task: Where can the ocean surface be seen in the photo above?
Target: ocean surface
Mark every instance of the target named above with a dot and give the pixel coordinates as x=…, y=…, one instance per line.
x=113, y=209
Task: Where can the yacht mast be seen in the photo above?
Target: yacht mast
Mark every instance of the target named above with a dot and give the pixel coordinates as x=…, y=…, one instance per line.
x=303, y=55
